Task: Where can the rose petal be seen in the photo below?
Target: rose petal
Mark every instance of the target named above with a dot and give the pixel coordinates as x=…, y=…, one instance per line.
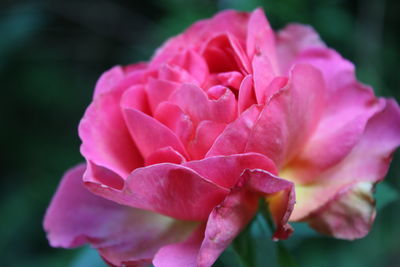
x=226, y=170
x=367, y=162
x=108, y=80
x=246, y=96
x=206, y=133
x=149, y=134
x=231, y=79
x=193, y=63
x=290, y=116
x=165, y=154
x=349, y=215
x=136, y=97
x=234, y=138
x=224, y=54
x=183, y=254
x=174, y=73
x=345, y=115
x=175, y=119
x=75, y=217
x=232, y=22
x=235, y=212
x=159, y=91
x=263, y=74
x=261, y=39
x=166, y=188
x=105, y=139
x=292, y=40
x=194, y=102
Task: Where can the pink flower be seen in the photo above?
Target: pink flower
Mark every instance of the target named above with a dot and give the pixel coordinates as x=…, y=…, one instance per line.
x=179, y=150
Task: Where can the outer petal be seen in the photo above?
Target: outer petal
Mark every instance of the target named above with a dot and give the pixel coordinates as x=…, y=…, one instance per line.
x=119, y=78
x=235, y=212
x=105, y=139
x=367, y=162
x=347, y=110
x=349, y=215
x=263, y=74
x=166, y=188
x=226, y=170
x=109, y=80
x=292, y=40
x=75, y=217
x=290, y=117
x=183, y=254
x=229, y=218
x=261, y=39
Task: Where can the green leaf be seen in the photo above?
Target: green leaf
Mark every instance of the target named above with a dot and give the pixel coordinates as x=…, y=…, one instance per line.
x=244, y=247
x=88, y=257
x=285, y=259
x=385, y=194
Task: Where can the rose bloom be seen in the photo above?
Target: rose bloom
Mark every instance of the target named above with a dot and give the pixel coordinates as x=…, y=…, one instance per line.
x=180, y=150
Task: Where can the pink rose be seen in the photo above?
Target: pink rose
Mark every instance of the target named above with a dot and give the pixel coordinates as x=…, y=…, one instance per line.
x=180, y=150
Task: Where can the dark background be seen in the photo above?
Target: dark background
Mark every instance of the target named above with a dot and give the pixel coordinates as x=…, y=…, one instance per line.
x=52, y=52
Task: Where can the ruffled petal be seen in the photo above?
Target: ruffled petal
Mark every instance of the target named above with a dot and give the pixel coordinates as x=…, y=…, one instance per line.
x=239, y=207
x=290, y=117
x=226, y=170
x=175, y=119
x=224, y=53
x=194, y=102
x=348, y=107
x=159, y=91
x=367, y=162
x=105, y=138
x=349, y=215
x=183, y=254
x=292, y=40
x=193, y=63
x=166, y=188
x=263, y=74
x=206, y=133
x=120, y=233
x=234, y=138
x=232, y=22
x=261, y=39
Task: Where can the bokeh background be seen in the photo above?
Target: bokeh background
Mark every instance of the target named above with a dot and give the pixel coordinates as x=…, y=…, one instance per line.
x=52, y=52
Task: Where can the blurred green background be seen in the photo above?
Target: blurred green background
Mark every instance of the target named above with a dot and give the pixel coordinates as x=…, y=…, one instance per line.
x=52, y=52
